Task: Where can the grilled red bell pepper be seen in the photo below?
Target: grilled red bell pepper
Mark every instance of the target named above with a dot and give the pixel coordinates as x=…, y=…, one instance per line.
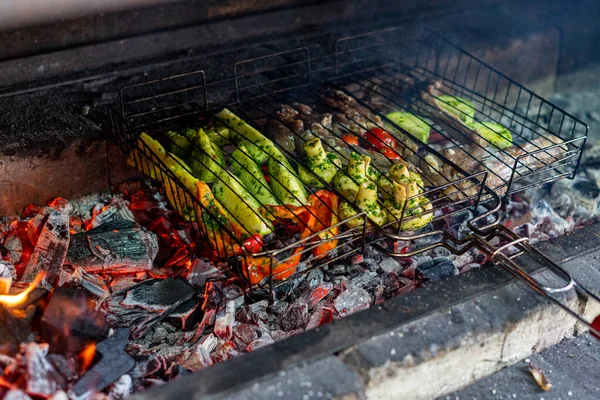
x=380, y=139
x=325, y=204
x=390, y=154
x=350, y=139
x=257, y=268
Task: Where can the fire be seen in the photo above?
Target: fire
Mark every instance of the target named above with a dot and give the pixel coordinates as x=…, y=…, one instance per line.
x=14, y=300
x=87, y=356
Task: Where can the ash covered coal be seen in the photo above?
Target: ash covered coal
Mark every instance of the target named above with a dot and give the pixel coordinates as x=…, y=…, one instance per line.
x=171, y=310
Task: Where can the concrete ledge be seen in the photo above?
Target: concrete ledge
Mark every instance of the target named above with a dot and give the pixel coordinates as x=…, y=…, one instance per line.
x=428, y=343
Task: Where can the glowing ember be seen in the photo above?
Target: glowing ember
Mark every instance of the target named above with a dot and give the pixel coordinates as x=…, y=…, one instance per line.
x=87, y=356
x=14, y=300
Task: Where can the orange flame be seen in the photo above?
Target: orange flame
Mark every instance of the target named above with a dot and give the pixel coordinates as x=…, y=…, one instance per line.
x=14, y=300
x=87, y=356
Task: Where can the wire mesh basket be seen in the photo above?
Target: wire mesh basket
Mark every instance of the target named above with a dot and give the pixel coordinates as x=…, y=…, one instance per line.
x=295, y=115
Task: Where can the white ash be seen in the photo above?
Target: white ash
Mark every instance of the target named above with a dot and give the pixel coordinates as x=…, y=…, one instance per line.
x=7, y=275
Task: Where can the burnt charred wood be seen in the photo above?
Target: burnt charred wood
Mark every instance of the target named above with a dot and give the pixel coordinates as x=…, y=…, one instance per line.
x=118, y=246
x=50, y=250
x=186, y=315
x=42, y=378
x=114, y=362
x=70, y=322
x=146, y=304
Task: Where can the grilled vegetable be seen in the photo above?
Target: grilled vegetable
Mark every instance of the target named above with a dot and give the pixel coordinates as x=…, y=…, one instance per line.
x=258, y=268
x=458, y=107
x=252, y=176
x=350, y=139
x=366, y=200
x=207, y=158
x=220, y=240
x=380, y=139
x=414, y=213
x=320, y=163
x=178, y=144
x=325, y=204
x=494, y=133
x=284, y=183
x=259, y=147
x=219, y=135
x=357, y=173
x=242, y=205
x=405, y=204
x=412, y=124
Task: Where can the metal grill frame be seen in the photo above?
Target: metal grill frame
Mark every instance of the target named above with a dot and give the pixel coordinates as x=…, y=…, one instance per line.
x=273, y=82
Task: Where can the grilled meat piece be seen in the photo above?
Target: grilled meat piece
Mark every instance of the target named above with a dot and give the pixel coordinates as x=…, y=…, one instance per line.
x=501, y=166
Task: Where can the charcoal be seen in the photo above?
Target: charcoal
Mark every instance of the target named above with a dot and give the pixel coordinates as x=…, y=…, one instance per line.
x=278, y=335
x=225, y=352
x=295, y=317
x=121, y=388
x=66, y=366
x=50, y=250
x=92, y=283
x=372, y=264
x=158, y=295
x=146, y=304
x=201, y=271
x=462, y=260
x=113, y=364
x=118, y=246
x=16, y=394
x=436, y=269
x=321, y=315
x=468, y=267
x=289, y=287
x=389, y=265
x=371, y=253
x=13, y=330
x=337, y=270
x=314, y=278
x=102, y=214
x=252, y=313
x=186, y=315
x=278, y=308
x=159, y=335
x=70, y=322
x=41, y=377
x=367, y=280
x=244, y=334
x=225, y=319
x=351, y=300
x=122, y=283
x=314, y=295
x=260, y=342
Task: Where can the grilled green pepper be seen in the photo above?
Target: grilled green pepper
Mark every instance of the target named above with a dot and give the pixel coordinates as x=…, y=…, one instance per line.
x=252, y=176
x=259, y=147
x=178, y=144
x=232, y=194
x=284, y=183
x=411, y=123
x=494, y=133
x=207, y=158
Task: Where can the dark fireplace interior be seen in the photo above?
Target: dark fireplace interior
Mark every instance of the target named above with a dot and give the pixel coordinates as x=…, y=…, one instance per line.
x=167, y=227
